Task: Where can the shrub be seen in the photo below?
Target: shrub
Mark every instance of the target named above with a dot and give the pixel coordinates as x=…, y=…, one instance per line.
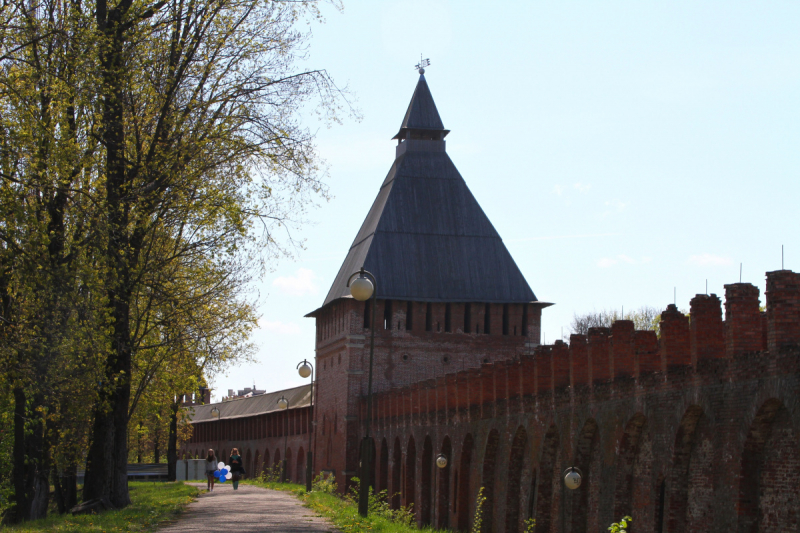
x=477, y=523
x=621, y=526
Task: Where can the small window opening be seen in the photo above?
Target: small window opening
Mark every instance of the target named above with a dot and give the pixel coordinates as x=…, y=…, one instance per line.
x=429, y=317
x=455, y=491
x=487, y=319
x=447, y=317
x=515, y=330
x=467, y=317
x=525, y=320
x=662, y=496
x=505, y=319
x=409, y=315
x=340, y=359
x=367, y=314
x=405, y=357
x=387, y=314
x=438, y=327
x=445, y=359
x=486, y=360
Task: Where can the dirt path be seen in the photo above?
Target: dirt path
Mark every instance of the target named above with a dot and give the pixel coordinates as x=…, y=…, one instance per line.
x=247, y=510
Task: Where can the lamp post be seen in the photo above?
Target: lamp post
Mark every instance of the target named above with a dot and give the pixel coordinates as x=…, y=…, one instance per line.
x=362, y=288
x=306, y=369
x=283, y=403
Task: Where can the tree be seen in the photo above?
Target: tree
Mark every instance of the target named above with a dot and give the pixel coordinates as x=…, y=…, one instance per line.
x=644, y=318
x=151, y=155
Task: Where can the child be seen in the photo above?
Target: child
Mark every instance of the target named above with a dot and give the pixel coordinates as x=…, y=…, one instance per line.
x=211, y=467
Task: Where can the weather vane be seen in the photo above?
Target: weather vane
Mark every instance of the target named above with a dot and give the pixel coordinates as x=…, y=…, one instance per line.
x=422, y=64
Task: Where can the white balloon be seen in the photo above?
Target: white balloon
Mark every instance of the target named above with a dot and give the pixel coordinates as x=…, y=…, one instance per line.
x=220, y=465
x=228, y=475
x=226, y=466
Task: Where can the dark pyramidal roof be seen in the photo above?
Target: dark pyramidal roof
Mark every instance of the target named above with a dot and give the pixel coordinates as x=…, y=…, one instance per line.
x=425, y=237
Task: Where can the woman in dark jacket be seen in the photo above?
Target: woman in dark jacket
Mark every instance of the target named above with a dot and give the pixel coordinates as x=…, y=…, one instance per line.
x=237, y=469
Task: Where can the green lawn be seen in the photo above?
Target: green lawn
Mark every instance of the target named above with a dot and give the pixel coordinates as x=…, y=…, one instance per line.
x=152, y=505
x=342, y=513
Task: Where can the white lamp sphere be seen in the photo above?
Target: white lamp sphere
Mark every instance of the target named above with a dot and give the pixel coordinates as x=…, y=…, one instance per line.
x=282, y=403
x=572, y=480
x=361, y=289
x=441, y=461
x=304, y=371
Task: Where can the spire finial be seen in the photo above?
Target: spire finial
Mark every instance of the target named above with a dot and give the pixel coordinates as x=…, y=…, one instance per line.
x=422, y=64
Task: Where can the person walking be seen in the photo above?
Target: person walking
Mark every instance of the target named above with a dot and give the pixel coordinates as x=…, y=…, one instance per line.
x=211, y=467
x=237, y=469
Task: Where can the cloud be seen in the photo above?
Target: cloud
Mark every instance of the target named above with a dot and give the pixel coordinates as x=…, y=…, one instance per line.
x=710, y=260
x=282, y=328
x=582, y=187
x=558, y=189
x=618, y=205
x=607, y=262
x=301, y=284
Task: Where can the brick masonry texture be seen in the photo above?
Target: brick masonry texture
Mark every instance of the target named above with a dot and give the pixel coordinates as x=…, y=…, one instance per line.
x=695, y=429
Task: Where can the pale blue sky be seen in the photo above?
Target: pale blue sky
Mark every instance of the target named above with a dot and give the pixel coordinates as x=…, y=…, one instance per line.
x=621, y=149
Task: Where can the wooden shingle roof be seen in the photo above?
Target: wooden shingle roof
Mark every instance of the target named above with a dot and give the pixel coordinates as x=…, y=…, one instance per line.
x=255, y=405
x=426, y=238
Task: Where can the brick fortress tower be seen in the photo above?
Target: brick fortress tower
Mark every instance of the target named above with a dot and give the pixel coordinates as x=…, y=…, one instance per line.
x=450, y=296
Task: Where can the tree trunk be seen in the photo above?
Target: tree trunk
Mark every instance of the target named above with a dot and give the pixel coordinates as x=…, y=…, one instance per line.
x=66, y=488
x=30, y=470
x=172, y=445
x=106, y=468
x=23, y=484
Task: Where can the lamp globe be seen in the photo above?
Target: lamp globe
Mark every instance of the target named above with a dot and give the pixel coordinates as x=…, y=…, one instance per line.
x=572, y=480
x=441, y=461
x=361, y=288
x=304, y=370
x=283, y=403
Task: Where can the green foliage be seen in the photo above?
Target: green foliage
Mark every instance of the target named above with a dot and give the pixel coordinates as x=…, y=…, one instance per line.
x=344, y=515
x=152, y=505
x=529, y=525
x=324, y=483
x=145, y=182
x=477, y=523
x=379, y=504
x=270, y=474
x=621, y=526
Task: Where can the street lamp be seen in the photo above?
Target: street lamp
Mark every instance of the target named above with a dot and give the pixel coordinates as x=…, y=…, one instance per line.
x=362, y=288
x=572, y=478
x=441, y=461
x=214, y=412
x=306, y=369
x=283, y=403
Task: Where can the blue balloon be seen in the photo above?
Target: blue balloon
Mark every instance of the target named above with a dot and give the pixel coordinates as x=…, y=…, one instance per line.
x=222, y=479
x=223, y=472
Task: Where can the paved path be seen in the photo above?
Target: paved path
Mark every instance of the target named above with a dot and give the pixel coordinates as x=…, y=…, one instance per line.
x=247, y=510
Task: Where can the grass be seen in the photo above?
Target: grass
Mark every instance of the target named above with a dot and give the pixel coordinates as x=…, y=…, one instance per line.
x=152, y=505
x=342, y=512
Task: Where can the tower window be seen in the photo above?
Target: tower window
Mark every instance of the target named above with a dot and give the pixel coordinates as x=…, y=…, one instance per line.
x=429, y=317
x=487, y=319
x=467, y=317
x=409, y=315
x=387, y=314
x=525, y=320
x=367, y=314
x=447, y=317
x=505, y=319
